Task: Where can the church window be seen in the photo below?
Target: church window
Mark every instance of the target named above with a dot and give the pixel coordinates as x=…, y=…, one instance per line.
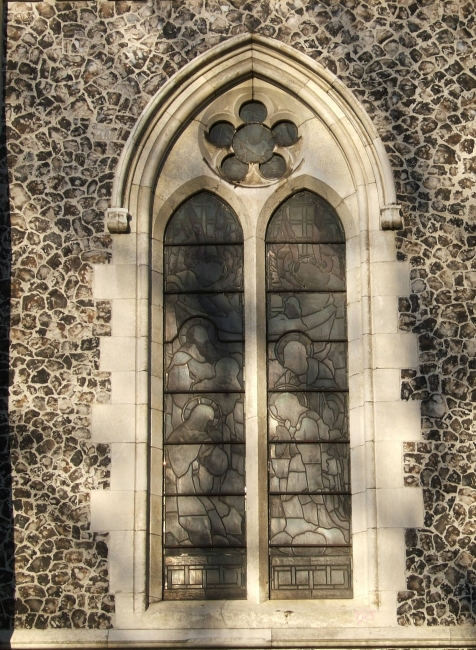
x=308, y=437
x=204, y=554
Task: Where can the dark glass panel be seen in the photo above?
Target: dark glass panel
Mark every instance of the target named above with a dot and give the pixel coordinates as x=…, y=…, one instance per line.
x=253, y=112
x=309, y=520
x=204, y=218
x=224, y=310
x=309, y=467
x=307, y=218
x=309, y=456
x=233, y=169
x=205, y=469
x=204, y=418
x=305, y=267
x=221, y=134
x=205, y=574
x=302, y=573
x=296, y=363
x=274, y=168
x=253, y=143
x=285, y=134
x=197, y=361
x=203, y=268
x=205, y=521
x=308, y=417
x=203, y=413
x=320, y=315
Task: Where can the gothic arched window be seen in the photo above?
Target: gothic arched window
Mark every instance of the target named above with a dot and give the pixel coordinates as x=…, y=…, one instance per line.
x=308, y=436
x=204, y=554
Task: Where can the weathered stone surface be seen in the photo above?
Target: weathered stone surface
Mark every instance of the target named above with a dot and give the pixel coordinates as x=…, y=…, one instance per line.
x=78, y=77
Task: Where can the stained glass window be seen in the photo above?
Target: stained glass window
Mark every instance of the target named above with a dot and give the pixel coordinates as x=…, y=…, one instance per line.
x=204, y=444
x=308, y=438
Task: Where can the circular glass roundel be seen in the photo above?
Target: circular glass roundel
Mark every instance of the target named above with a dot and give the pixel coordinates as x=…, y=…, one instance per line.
x=285, y=134
x=253, y=143
x=221, y=134
x=253, y=112
x=233, y=169
x=274, y=168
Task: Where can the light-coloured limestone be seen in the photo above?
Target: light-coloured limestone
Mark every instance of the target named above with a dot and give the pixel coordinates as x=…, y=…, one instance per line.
x=114, y=281
x=122, y=469
x=400, y=507
x=121, y=551
x=395, y=350
x=124, y=318
x=398, y=421
x=353, y=176
x=123, y=387
x=382, y=246
x=118, y=353
x=384, y=315
x=387, y=384
x=390, y=279
x=112, y=510
x=391, y=559
x=389, y=463
x=113, y=422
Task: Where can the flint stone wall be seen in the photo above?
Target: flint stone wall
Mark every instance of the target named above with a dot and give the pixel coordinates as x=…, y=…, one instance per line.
x=79, y=74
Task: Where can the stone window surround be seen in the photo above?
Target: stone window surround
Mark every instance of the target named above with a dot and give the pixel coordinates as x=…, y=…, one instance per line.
x=379, y=422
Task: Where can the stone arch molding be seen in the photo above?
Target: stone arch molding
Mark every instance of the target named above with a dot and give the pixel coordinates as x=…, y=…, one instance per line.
x=209, y=75
x=380, y=422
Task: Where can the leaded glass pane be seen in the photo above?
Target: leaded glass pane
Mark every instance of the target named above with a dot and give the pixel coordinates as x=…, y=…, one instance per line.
x=309, y=520
x=308, y=417
x=203, y=418
x=203, y=268
x=305, y=217
x=320, y=315
x=297, y=363
x=309, y=467
x=205, y=574
x=275, y=167
x=310, y=572
x=253, y=112
x=285, y=134
x=308, y=450
x=204, y=451
x=205, y=521
x=305, y=267
x=224, y=310
x=204, y=469
x=198, y=361
x=221, y=134
x=203, y=219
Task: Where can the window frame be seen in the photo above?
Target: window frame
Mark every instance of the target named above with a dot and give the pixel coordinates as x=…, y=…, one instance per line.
x=130, y=282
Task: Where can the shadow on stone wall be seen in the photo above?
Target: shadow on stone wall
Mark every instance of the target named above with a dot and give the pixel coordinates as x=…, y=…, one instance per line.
x=7, y=572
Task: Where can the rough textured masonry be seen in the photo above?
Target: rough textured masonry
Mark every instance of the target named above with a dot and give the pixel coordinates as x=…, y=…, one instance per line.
x=78, y=76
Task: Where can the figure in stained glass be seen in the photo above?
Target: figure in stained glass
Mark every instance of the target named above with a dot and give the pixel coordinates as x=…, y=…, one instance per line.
x=308, y=450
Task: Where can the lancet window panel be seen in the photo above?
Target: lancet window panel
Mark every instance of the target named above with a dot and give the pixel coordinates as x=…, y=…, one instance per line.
x=204, y=552
x=308, y=436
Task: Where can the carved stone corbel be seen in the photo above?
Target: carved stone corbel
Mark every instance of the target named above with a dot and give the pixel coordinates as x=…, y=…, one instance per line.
x=117, y=220
x=390, y=217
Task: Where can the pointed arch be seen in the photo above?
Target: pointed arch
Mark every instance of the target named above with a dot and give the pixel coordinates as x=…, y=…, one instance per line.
x=226, y=65
x=136, y=273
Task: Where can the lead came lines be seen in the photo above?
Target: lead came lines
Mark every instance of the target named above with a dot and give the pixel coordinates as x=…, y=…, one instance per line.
x=308, y=441
x=204, y=445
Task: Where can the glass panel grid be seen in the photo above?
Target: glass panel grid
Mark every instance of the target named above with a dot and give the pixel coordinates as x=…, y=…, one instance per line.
x=204, y=451
x=308, y=437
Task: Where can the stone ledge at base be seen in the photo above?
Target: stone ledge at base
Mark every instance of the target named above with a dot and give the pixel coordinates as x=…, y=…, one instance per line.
x=258, y=639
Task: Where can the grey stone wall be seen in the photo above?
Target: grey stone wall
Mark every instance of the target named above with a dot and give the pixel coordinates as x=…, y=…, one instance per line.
x=78, y=76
